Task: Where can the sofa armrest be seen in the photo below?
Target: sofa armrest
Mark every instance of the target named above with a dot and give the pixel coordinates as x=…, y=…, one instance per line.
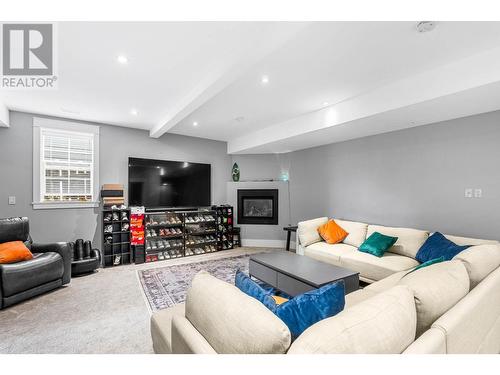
x=96, y=253
x=186, y=339
x=307, y=231
x=62, y=248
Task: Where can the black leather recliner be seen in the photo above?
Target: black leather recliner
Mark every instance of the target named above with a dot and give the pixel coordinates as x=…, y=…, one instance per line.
x=84, y=259
x=49, y=269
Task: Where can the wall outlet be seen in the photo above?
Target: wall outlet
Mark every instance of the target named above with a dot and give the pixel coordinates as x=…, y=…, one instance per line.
x=468, y=193
x=478, y=193
x=12, y=200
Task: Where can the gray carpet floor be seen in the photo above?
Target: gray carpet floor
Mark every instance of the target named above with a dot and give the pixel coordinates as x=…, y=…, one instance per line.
x=105, y=312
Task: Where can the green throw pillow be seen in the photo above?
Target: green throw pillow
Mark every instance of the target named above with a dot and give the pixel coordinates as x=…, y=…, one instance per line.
x=377, y=244
x=428, y=263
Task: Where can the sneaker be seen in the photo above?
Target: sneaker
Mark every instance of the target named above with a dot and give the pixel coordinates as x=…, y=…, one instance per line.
x=148, y=246
x=108, y=240
x=107, y=217
x=153, y=245
x=108, y=229
x=125, y=227
x=177, y=220
x=160, y=245
x=117, y=260
x=114, y=207
x=124, y=216
x=166, y=254
x=115, y=216
x=153, y=233
x=167, y=244
x=161, y=256
x=123, y=207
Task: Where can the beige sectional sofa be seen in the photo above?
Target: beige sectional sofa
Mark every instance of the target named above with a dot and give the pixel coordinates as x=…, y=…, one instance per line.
x=448, y=307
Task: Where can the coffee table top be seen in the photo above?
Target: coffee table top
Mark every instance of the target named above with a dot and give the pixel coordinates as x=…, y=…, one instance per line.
x=308, y=270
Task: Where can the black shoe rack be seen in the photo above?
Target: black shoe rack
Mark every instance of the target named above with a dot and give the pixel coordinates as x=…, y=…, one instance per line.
x=116, y=237
x=176, y=234
x=224, y=227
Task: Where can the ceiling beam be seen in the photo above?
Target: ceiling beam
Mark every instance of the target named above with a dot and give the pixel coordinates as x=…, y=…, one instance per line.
x=4, y=115
x=223, y=76
x=460, y=76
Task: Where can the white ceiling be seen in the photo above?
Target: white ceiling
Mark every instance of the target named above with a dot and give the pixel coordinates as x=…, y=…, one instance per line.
x=210, y=73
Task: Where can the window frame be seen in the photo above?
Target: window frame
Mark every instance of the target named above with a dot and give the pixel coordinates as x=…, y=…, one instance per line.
x=68, y=126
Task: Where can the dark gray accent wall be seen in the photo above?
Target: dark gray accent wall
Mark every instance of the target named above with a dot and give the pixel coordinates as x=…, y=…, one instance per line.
x=414, y=178
x=116, y=145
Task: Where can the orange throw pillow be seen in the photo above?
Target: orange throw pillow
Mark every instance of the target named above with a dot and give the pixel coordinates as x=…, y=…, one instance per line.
x=15, y=251
x=331, y=232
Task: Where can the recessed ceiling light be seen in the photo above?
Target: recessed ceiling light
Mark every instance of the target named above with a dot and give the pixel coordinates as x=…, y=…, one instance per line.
x=122, y=59
x=195, y=123
x=425, y=26
x=264, y=80
x=134, y=112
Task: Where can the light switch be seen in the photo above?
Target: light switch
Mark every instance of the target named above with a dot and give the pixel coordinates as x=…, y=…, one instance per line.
x=478, y=193
x=468, y=193
x=12, y=200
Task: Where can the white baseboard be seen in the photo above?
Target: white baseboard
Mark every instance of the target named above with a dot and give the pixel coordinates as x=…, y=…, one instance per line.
x=266, y=243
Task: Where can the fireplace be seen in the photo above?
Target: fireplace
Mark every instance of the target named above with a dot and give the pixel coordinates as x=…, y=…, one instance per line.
x=258, y=206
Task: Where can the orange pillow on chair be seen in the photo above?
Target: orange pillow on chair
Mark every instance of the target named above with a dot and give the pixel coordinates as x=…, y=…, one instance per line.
x=14, y=251
x=331, y=232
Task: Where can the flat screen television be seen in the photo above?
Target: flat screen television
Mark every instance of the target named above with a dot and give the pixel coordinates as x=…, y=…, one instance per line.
x=166, y=183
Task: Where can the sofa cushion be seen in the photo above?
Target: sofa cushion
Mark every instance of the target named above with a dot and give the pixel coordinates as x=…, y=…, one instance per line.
x=436, y=246
x=480, y=261
x=386, y=283
x=437, y=288
x=383, y=324
x=377, y=244
x=470, y=241
x=308, y=230
x=327, y=253
x=231, y=321
x=21, y=276
x=409, y=240
x=358, y=296
x=331, y=232
x=357, y=232
x=373, y=268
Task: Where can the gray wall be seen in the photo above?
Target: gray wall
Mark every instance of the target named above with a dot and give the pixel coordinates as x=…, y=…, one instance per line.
x=116, y=145
x=414, y=177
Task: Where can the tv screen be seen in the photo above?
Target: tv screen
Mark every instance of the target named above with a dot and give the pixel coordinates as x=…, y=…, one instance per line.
x=165, y=183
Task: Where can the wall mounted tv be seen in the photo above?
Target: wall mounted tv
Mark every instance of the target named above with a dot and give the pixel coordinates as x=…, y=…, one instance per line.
x=165, y=183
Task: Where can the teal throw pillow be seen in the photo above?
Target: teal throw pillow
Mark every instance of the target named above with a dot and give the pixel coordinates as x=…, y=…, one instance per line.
x=377, y=244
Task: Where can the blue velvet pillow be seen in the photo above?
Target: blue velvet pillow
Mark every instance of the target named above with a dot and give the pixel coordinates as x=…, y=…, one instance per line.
x=437, y=246
x=302, y=311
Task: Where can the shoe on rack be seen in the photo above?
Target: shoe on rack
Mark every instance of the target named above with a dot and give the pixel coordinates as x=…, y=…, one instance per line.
x=124, y=216
x=115, y=216
x=166, y=254
x=123, y=207
x=108, y=240
x=107, y=217
x=108, y=229
x=125, y=227
x=117, y=260
x=114, y=207
x=160, y=256
x=153, y=245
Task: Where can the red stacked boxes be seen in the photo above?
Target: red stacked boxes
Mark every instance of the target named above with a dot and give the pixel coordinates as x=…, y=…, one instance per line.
x=137, y=226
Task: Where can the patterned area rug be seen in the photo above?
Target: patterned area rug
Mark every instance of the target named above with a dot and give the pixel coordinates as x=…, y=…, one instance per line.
x=167, y=286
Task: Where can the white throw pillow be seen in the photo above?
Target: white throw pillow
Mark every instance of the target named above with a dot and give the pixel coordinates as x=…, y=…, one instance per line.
x=480, y=261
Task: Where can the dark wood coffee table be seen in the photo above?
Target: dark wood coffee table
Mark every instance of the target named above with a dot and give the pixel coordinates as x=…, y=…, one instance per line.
x=296, y=274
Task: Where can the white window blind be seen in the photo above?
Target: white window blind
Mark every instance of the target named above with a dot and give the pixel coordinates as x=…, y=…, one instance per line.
x=66, y=166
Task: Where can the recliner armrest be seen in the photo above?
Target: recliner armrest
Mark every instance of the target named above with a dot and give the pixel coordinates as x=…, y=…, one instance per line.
x=62, y=248
x=96, y=253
